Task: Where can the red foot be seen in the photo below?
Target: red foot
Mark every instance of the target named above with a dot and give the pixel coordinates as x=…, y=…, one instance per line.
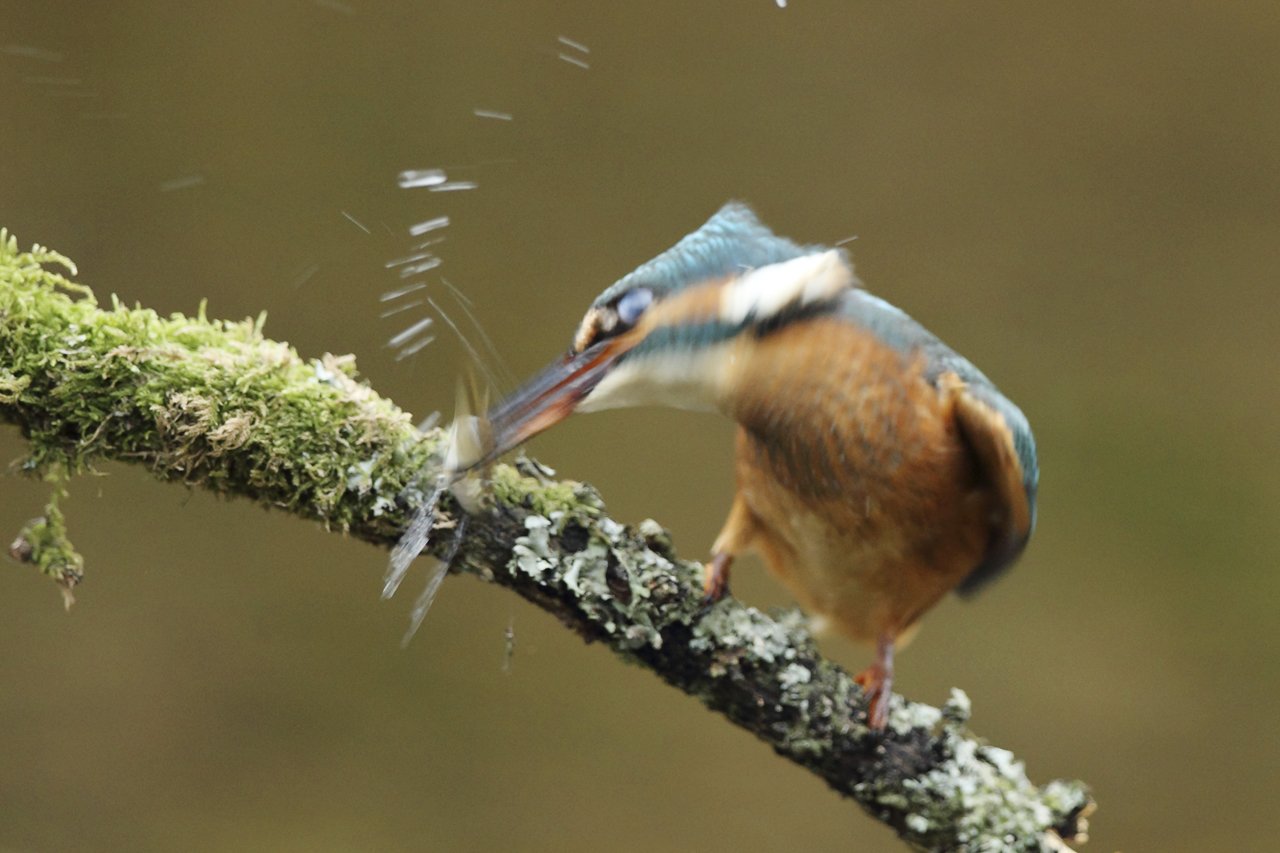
x=715, y=578
x=875, y=686
x=876, y=682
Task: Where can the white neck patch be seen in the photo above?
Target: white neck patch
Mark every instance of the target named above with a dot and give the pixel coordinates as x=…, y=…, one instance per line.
x=680, y=379
x=764, y=292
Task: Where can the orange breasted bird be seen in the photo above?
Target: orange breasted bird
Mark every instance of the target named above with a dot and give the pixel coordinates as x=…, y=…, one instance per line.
x=876, y=468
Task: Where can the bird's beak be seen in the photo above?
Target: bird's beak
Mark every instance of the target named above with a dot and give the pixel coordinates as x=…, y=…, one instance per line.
x=544, y=400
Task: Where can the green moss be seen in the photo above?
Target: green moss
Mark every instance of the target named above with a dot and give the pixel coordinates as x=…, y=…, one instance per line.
x=203, y=401
x=43, y=543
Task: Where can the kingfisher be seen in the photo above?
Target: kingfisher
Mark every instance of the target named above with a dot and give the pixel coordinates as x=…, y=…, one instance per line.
x=877, y=469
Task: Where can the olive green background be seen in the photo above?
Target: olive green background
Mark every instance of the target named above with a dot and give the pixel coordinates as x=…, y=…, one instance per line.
x=1083, y=198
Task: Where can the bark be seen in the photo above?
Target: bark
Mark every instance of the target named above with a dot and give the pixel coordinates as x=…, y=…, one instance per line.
x=217, y=405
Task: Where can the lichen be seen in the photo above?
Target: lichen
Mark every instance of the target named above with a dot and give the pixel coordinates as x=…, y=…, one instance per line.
x=733, y=633
x=905, y=717
x=958, y=707
x=793, y=675
x=531, y=553
x=563, y=498
x=917, y=823
x=976, y=796
x=615, y=604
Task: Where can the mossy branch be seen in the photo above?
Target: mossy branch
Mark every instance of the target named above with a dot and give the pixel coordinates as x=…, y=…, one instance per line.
x=216, y=404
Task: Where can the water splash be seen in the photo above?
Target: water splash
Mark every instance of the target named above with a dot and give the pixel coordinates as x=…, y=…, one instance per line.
x=414, y=348
x=476, y=358
x=503, y=371
x=407, y=259
x=508, y=645
x=430, y=225
x=573, y=60
x=356, y=222
x=453, y=186
x=412, y=541
x=428, y=596
x=428, y=243
x=573, y=43
x=403, y=337
x=391, y=312
x=392, y=295
x=419, y=268
x=466, y=445
x=411, y=178
x=29, y=51
x=305, y=275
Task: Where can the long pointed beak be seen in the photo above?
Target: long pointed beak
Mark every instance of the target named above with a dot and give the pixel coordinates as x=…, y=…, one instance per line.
x=545, y=400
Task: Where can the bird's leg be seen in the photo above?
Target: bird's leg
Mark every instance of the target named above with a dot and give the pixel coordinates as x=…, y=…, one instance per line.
x=876, y=682
x=737, y=532
x=715, y=577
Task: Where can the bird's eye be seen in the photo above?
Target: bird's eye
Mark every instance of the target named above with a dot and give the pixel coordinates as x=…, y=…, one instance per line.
x=633, y=304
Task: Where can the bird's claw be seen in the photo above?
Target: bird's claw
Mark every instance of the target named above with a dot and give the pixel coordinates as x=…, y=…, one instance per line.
x=876, y=682
x=715, y=581
x=710, y=598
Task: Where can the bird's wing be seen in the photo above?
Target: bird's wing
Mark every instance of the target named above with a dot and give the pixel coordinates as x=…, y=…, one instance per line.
x=1000, y=439
x=996, y=429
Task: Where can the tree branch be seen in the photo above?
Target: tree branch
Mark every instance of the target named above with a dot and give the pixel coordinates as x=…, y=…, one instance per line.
x=217, y=404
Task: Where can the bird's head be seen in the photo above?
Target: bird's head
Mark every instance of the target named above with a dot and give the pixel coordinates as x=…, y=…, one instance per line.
x=665, y=333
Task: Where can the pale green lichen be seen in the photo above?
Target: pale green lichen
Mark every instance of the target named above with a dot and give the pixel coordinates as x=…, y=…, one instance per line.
x=794, y=675
x=917, y=823
x=907, y=716
x=735, y=633
x=980, y=784
x=578, y=570
x=564, y=498
x=531, y=553
x=617, y=610
x=958, y=707
x=1064, y=797
x=361, y=477
x=977, y=796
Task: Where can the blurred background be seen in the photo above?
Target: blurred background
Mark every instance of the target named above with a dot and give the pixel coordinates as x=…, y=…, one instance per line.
x=1081, y=198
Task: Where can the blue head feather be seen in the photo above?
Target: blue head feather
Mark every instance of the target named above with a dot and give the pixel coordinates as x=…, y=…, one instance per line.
x=729, y=242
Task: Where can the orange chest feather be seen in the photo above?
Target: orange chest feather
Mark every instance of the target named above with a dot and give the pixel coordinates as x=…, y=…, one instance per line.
x=855, y=471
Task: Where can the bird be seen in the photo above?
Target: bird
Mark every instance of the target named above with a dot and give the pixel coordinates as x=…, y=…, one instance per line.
x=876, y=469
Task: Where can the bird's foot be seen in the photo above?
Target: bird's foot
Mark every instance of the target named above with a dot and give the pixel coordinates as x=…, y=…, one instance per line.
x=877, y=688
x=715, y=578
x=876, y=682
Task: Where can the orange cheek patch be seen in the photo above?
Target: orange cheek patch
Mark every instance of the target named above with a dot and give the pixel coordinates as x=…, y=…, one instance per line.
x=696, y=304
x=589, y=329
